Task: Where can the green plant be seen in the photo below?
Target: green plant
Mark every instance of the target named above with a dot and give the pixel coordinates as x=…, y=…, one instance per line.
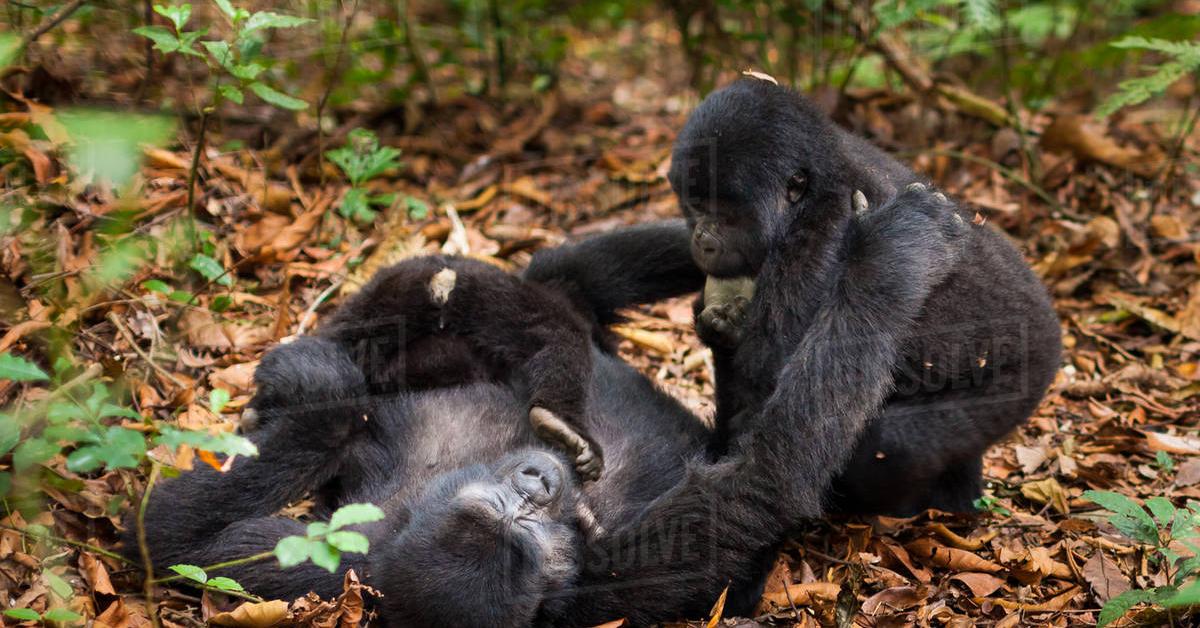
x=990, y=504
x=83, y=425
x=200, y=578
x=323, y=543
x=361, y=160
x=1183, y=58
x=1159, y=525
x=1164, y=462
x=238, y=57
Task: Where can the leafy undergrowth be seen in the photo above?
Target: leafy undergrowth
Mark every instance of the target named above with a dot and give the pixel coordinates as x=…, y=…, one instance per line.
x=133, y=328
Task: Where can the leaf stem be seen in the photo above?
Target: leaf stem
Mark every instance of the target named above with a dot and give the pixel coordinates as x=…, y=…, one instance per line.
x=213, y=567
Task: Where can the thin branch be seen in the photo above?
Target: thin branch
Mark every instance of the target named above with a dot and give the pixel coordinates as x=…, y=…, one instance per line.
x=51, y=22
x=215, y=566
x=144, y=547
x=312, y=309
x=125, y=333
x=331, y=75
x=80, y=544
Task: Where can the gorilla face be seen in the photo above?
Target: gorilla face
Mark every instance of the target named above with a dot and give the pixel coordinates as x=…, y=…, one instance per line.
x=751, y=159
x=503, y=537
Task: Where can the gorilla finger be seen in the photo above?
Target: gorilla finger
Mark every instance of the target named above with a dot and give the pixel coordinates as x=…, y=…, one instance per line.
x=860, y=202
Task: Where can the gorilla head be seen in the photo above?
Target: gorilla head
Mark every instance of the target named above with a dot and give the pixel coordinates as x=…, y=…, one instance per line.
x=752, y=157
x=504, y=536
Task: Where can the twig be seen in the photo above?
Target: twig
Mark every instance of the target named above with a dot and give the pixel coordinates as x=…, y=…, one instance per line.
x=215, y=566
x=1004, y=171
x=312, y=308
x=144, y=547
x=125, y=333
x=331, y=75
x=80, y=544
x=191, y=183
x=51, y=22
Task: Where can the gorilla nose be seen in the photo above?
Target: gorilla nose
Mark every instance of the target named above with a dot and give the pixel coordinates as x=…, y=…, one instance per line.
x=705, y=243
x=539, y=477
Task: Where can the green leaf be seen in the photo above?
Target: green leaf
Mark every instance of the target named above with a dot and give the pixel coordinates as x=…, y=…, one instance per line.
x=110, y=145
x=191, y=572
x=1118, y=606
x=349, y=541
x=163, y=39
x=65, y=411
x=10, y=45
x=981, y=13
x=116, y=448
x=23, y=614
x=33, y=451
x=61, y=615
x=325, y=555
x=292, y=550
x=1128, y=517
x=267, y=19
x=351, y=514
x=19, y=369
x=177, y=14
x=222, y=442
x=210, y=269
x=5, y=483
x=60, y=587
x=417, y=208
x=156, y=285
x=316, y=529
x=231, y=93
x=356, y=206
x=218, y=399
x=219, y=50
x=225, y=584
x=225, y=7
x=246, y=71
x=1162, y=509
x=10, y=433
x=279, y=99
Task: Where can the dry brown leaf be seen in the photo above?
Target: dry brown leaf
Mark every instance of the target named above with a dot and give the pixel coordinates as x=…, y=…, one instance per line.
x=931, y=552
x=659, y=343
x=95, y=574
x=1189, y=316
x=805, y=594
x=203, y=331
x=120, y=615
x=1172, y=443
x=1169, y=227
x=980, y=584
x=718, y=609
x=1054, y=604
x=1036, y=564
x=1088, y=140
x=237, y=378
x=894, y=599
x=1047, y=491
x=1105, y=577
x=253, y=615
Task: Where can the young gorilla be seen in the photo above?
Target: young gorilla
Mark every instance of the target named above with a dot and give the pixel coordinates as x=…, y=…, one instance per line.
x=775, y=193
x=484, y=526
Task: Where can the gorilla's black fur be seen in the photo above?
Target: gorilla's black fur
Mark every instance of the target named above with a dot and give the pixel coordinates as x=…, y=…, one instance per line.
x=484, y=525
x=768, y=186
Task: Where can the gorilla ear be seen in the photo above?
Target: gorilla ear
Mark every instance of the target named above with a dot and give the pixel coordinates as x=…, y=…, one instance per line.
x=796, y=186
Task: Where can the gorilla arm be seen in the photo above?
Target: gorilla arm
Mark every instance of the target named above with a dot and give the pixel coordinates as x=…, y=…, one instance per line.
x=206, y=516
x=722, y=524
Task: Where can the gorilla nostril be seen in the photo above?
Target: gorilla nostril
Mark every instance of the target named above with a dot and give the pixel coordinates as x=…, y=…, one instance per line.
x=533, y=472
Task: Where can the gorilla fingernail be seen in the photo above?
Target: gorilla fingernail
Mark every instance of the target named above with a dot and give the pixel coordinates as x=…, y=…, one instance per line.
x=860, y=202
x=941, y=197
x=915, y=187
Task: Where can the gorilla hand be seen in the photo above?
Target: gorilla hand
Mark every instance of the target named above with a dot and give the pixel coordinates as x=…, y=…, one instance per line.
x=585, y=455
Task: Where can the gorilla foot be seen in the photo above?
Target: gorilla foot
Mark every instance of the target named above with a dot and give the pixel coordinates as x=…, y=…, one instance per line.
x=586, y=457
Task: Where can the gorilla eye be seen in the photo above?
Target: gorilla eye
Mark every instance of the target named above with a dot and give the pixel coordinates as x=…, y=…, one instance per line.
x=795, y=187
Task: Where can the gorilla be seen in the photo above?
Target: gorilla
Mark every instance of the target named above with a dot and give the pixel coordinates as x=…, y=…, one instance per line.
x=487, y=526
x=776, y=199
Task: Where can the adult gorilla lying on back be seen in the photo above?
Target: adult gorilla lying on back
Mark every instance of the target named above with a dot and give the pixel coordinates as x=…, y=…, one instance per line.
x=485, y=526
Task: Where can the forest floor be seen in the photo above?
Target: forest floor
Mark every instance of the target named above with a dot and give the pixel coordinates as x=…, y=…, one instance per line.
x=1109, y=232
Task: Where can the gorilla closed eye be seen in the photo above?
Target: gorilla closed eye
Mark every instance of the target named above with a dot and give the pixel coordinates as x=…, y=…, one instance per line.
x=796, y=186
